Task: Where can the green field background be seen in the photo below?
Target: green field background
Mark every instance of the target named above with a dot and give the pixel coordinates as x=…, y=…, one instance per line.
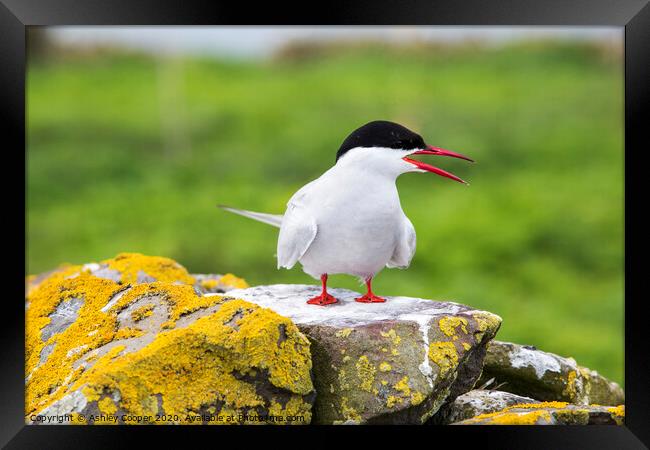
x=129, y=152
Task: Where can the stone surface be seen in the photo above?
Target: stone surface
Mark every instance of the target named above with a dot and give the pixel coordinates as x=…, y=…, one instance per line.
x=527, y=371
x=477, y=402
x=105, y=342
x=551, y=413
x=392, y=362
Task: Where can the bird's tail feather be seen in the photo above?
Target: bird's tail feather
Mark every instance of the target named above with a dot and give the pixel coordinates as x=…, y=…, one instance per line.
x=271, y=219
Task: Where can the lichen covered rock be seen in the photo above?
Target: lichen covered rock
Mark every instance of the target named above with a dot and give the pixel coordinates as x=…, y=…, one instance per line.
x=137, y=268
x=551, y=413
x=475, y=403
x=115, y=347
x=393, y=362
x=525, y=370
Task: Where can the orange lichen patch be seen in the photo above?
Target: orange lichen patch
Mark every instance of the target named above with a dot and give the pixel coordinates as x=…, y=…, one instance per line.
x=158, y=267
x=231, y=280
x=203, y=364
x=142, y=312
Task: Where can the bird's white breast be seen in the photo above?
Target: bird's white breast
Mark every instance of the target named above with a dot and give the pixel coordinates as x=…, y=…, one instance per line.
x=359, y=219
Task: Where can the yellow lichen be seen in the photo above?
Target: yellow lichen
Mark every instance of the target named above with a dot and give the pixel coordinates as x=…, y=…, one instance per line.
x=162, y=269
x=466, y=346
x=510, y=415
x=392, y=400
x=174, y=355
x=385, y=367
x=392, y=335
x=209, y=284
x=448, y=325
x=618, y=413
x=106, y=406
x=345, y=332
x=403, y=387
x=142, y=312
x=523, y=418
x=348, y=412
x=366, y=373
x=230, y=280
x=212, y=350
x=570, y=391
x=485, y=322
x=445, y=356
x=127, y=332
x=417, y=398
x=168, y=325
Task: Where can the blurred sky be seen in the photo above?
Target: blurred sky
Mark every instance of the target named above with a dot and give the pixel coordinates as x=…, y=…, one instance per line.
x=260, y=42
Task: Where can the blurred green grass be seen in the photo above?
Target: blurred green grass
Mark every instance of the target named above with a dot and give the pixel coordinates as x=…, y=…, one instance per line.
x=128, y=152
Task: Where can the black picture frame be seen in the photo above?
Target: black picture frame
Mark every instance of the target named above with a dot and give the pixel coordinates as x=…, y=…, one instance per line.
x=633, y=15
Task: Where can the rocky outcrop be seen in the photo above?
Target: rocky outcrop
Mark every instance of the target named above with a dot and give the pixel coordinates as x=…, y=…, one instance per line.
x=551, y=413
x=525, y=370
x=393, y=362
x=138, y=339
x=134, y=340
x=475, y=403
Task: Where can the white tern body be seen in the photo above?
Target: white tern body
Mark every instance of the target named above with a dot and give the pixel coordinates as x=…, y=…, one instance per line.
x=349, y=220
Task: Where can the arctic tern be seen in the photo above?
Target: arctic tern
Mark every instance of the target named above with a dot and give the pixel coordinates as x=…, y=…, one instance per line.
x=349, y=220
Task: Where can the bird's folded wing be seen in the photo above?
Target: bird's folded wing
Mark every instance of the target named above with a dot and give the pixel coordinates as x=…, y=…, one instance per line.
x=297, y=232
x=405, y=248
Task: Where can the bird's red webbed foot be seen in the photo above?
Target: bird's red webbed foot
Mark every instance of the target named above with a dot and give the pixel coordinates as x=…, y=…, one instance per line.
x=369, y=297
x=324, y=298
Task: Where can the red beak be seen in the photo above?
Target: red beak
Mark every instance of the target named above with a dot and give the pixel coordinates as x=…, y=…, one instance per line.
x=430, y=150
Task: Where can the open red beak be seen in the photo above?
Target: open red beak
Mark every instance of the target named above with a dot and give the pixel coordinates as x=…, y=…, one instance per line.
x=430, y=150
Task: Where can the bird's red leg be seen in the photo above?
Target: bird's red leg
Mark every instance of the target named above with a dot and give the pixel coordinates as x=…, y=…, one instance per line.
x=369, y=297
x=324, y=298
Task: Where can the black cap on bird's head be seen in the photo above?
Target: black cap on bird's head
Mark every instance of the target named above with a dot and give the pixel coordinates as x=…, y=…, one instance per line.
x=382, y=133
x=385, y=134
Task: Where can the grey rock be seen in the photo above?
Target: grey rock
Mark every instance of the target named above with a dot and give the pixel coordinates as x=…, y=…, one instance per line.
x=395, y=362
x=545, y=376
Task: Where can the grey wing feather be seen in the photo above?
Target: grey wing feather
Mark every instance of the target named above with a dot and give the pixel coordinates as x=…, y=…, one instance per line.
x=297, y=232
x=271, y=219
x=405, y=248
